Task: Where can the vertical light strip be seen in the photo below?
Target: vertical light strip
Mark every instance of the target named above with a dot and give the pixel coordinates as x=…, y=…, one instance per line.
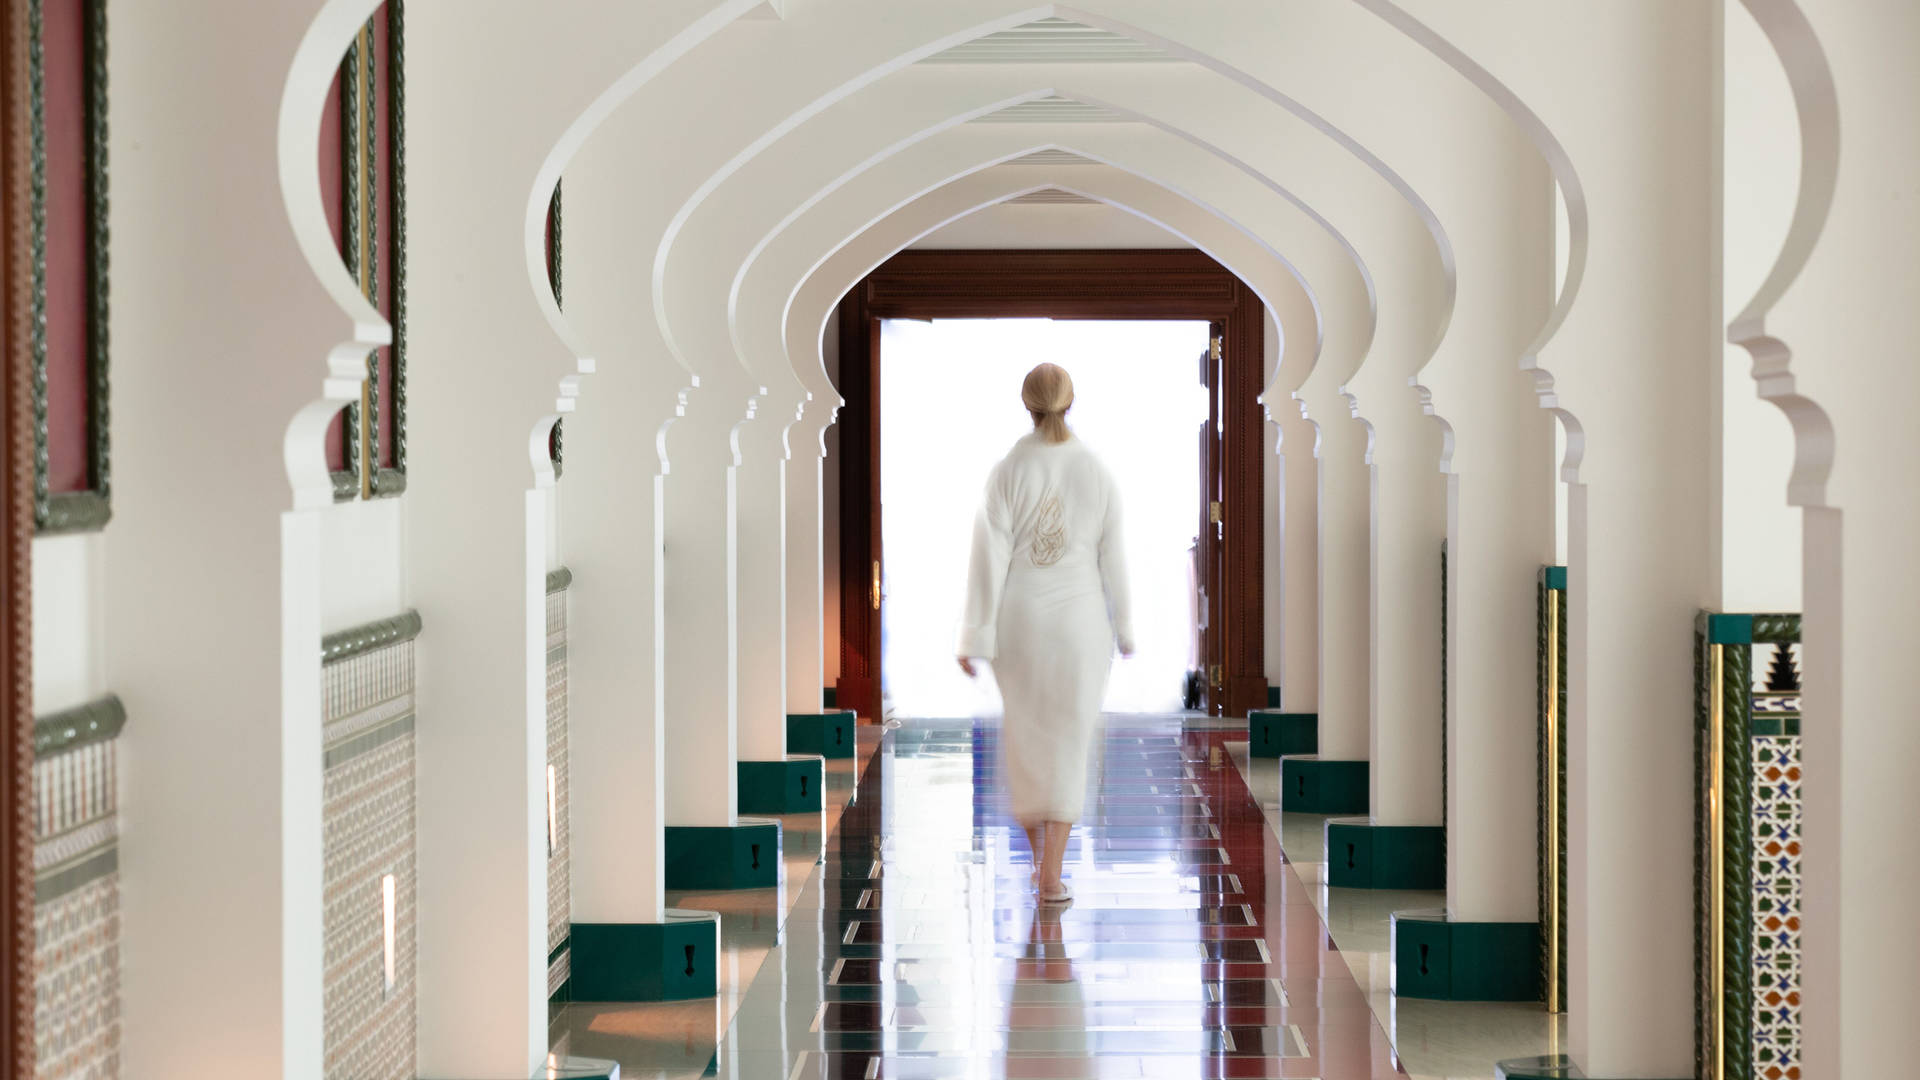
x=1553, y=800
x=553, y=813
x=1716, y=861
x=386, y=929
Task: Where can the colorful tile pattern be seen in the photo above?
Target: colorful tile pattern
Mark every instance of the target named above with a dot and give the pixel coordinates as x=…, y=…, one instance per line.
x=368, y=833
x=76, y=914
x=1776, y=907
x=559, y=883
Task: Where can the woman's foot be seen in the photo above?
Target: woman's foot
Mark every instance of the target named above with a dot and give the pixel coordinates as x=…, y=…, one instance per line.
x=1057, y=893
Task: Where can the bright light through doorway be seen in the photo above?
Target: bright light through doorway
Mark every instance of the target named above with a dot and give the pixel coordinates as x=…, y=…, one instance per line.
x=950, y=408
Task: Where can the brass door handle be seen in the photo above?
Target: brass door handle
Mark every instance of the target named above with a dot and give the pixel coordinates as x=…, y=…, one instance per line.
x=876, y=584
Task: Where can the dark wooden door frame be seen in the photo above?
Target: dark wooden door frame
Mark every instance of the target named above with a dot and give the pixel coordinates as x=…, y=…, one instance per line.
x=16, y=539
x=1098, y=284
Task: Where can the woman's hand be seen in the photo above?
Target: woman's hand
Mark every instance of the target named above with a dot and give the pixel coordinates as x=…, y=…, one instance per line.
x=966, y=665
x=1126, y=648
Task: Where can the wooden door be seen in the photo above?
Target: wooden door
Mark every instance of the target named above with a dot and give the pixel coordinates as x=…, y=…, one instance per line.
x=862, y=571
x=1213, y=530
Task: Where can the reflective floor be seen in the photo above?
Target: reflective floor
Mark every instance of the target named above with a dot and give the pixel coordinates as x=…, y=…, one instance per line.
x=912, y=946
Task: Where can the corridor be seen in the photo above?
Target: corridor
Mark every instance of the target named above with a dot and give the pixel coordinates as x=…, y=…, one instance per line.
x=1194, y=947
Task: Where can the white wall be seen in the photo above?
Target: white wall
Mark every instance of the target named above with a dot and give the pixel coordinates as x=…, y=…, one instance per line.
x=1759, y=532
x=69, y=621
x=1050, y=225
x=363, y=575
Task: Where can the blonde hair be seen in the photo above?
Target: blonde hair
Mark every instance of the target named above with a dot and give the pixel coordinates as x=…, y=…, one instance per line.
x=1048, y=394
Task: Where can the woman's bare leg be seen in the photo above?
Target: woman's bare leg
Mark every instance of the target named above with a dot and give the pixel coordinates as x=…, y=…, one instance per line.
x=1056, y=841
x=1036, y=843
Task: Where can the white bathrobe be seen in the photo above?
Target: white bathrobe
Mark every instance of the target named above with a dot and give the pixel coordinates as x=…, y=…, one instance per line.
x=1046, y=602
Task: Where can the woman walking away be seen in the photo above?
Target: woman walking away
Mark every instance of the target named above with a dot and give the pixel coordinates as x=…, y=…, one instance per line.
x=1047, y=602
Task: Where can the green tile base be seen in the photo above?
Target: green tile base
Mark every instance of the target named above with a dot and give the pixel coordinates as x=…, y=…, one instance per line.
x=1271, y=733
x=711, y=857
x=1273, y=697
x=829, y=697
x=1556, y=1067
x=1362, y=855
x=791, y=786
x=1464, y=961
x=1313, y=785
x=665, y=961
x=829, y=734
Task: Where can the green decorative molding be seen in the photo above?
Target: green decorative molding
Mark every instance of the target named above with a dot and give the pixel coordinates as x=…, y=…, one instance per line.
x=89, y=510
x=365, y=638
x=1273, y=697
x=1272, y=734
x=559, y=580
x=1313, y=785
x=665, y=961
x=1362, y=855
x=1464, y=961
x=91, y=867
x=716, y=857
x=829, y=697
x=70, y=729
x=828, y=734
x=1554, y=577
x=792, y=786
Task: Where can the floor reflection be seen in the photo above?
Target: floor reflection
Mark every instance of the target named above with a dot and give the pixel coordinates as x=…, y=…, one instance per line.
x=914, y=948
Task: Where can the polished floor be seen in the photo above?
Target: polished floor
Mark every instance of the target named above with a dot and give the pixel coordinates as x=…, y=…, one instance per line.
x=907, y=943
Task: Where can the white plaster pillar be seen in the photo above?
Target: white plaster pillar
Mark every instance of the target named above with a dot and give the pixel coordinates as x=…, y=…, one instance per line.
x=1300, y=557
x=1835, y=353
x=701, y=586
x=1631, y=369
x=806, y=571
x=761, y=481
x=614, y=520
x=215, y=615
x=1498, y=502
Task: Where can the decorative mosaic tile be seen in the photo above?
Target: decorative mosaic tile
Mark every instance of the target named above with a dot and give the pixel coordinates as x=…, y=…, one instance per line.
x=1776, y=907
x=368, y=832
x=559, y=857
x=76, y=913
x=76, y=984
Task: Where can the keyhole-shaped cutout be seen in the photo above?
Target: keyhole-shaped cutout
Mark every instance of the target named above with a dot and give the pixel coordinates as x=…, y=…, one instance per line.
x=837, y=734
x=1266, y=736
x=803, y=786
x=1423, y=961
x=756, y=856
x=1301, y=781
x=689, y=949
x=1349, y=856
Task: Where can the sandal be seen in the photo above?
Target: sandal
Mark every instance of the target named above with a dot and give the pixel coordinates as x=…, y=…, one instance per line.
x=1064, y=896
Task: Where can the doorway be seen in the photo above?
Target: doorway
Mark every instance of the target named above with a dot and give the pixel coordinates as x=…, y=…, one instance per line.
x=950, y=395
x=1135, y=286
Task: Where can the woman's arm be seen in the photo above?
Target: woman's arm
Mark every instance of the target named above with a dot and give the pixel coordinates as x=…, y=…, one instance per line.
x=986, y=576
x=1113, y=572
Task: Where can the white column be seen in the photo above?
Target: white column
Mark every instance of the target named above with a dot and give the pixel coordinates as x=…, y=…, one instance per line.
x=1499, y=492
x=761, y=481
x=806, y=574
x=614, y=518
x=1341, y=595
x=1407, y=524
x=1631, y=368
x=1299, y=554
x=1845, y=378
x=702, y=593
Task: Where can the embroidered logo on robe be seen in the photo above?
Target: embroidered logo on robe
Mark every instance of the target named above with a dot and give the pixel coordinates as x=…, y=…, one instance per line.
x=1049, y=533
